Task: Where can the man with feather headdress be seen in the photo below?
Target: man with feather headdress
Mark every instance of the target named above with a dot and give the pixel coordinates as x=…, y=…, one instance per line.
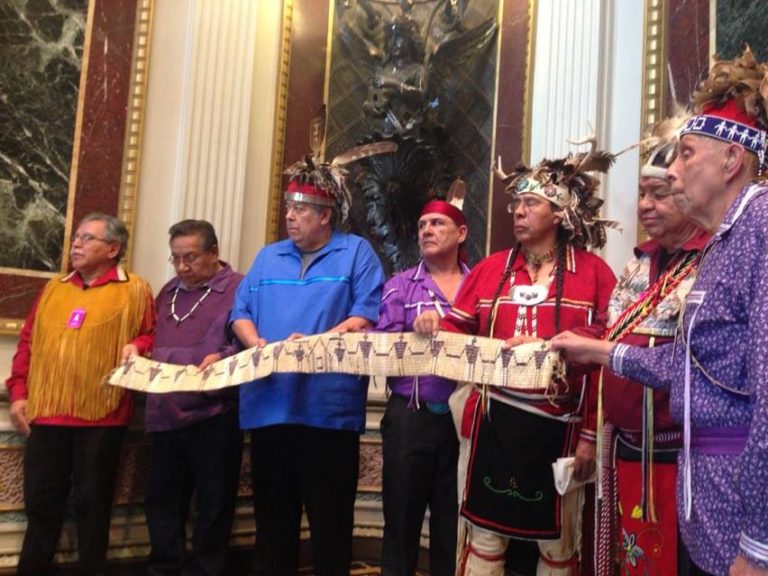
x=546, y=283
x=638, y=518
x=305, y=429
x=716, y=369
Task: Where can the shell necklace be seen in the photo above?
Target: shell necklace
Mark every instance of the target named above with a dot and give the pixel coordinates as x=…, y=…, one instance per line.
x=175, y=316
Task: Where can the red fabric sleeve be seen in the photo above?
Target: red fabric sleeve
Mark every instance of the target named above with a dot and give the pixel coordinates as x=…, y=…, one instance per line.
x=17, y=381
x=605, y=280
x=145, y=340
x=462, y=317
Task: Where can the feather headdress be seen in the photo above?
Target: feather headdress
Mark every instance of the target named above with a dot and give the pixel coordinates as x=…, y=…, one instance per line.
x=315, y=181
x=743, y=80
x=566, y=183
x=731, y=105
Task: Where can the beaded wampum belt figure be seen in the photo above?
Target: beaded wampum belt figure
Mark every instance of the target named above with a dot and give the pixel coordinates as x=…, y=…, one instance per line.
x=455, y=356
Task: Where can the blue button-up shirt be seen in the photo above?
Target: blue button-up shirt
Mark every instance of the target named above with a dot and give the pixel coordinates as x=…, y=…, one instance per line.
x=344, y=279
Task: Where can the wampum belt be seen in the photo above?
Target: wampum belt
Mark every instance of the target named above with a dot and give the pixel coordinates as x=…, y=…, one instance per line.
x=456, y=356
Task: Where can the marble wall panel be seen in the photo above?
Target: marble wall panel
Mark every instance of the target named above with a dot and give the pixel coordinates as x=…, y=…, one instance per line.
x=42, y=52
x=41, y=49
x=741, y=22
x=102, y=133
x=511, y=121
x=305, y=82
x=687, y=48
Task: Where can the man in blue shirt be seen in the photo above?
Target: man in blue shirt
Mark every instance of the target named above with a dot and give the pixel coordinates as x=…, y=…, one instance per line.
x=305, y=428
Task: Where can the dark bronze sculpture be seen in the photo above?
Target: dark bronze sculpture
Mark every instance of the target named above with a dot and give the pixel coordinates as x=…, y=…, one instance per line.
x=408, y=51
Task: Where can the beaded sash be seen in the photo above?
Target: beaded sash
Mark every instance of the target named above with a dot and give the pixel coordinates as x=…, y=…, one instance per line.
x=456, y=356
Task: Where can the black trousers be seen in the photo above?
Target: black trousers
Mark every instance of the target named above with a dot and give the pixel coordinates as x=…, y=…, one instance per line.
x=694, y=570
x=203, y=458
x=421, y=454
x=293, y=465
x=57, y=460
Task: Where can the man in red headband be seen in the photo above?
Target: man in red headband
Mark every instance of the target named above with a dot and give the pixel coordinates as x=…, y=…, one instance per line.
x=715, y=372
x=305, y=428
x=420, y=443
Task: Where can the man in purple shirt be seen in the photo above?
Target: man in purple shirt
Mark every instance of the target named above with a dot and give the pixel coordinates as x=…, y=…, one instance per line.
x=419, y=439
x=196, y=437
x=716, y=369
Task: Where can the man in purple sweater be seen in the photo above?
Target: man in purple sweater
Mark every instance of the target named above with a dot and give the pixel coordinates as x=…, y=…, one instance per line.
x=419, y=440
x=196, y=438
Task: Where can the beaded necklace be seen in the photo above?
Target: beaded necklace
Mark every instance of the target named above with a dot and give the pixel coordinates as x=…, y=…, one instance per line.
x=194, y=306
x=535, y=261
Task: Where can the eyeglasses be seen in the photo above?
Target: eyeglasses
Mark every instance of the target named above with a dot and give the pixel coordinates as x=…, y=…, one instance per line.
x=85, y=238
x=528, y=204
x=187, y=259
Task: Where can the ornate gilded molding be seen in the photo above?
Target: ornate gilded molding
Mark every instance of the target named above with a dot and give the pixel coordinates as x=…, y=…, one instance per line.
x=654, y=60
x=654, y=65
x=278, y=136
x=137, y=99
x=530, y=59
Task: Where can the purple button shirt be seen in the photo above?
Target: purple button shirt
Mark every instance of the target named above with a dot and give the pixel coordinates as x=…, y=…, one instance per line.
x=203, y=332
x=405, y=296
x=725, y=324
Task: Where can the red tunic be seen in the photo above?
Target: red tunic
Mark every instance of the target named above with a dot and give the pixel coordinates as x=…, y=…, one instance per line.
x=587, y=286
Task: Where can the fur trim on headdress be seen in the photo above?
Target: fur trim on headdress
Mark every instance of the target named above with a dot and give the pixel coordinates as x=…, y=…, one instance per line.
x=566, y=183
x=742, y=79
